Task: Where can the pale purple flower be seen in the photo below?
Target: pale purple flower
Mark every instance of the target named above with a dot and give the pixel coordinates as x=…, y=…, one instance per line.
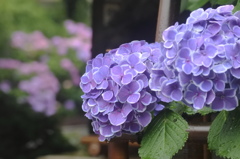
x=116, y=90
x=193, y=95
x=226, y=100
x=34, y=41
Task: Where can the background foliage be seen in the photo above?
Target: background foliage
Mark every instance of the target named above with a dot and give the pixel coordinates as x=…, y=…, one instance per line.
x=25, y=133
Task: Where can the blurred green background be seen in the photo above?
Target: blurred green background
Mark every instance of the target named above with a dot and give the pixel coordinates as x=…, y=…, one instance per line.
x=41, y=93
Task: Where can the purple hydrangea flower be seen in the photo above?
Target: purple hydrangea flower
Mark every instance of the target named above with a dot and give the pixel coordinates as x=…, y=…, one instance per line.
x=117, y=97
x=199, y=61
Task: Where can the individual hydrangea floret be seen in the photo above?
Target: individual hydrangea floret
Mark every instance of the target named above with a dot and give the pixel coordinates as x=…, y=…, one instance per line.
x=117, y=97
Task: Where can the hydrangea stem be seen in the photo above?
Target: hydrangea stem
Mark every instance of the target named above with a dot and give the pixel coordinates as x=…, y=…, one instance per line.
x=118, y=150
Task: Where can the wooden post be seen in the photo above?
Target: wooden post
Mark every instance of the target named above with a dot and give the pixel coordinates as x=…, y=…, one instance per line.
x=167, y=15
x=118, y=150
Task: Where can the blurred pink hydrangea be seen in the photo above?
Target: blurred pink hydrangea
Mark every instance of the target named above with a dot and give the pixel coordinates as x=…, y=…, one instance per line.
x=9, y=63
x=35, y=41
x=41, y=88
x=80, y=41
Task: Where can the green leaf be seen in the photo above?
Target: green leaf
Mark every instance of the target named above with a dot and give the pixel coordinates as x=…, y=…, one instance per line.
x=177, y=107
x=195, y=4
x=237, y=7
x=164, y=136
x=224, y=136
x=222, y=2
x=215, y=130
x=180, y=108
x=203, y=111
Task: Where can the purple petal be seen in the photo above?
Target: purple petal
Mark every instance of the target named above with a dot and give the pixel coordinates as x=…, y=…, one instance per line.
x=106, y=131
x=198, y=102
x=102, y=118
x=86, y=87
x=211, y=51
x=235, y=72
x=219, y=68
x=133, y=59
x=219, y=85
x=184, y=78
x=230, y=92
x=91, y=102
x=135, y=127
x=95, y=110
x=126, y=79
x=231, y=103
x=184, y=53
x=103, y=85
x=85, y=79
x=116, y=70
x=144, y=118
x=206, y=85
x=187, y=68
x=85, y=107
x=225, y=9
x=123, y=49
x=236, y=31
x=98, y=77
x=140, y=107
x=135, y=86
x=116, y=79
x=169, y=34
x=197, y=59
x=171, y=53
x=97, y=62
x=210, y=97
x=146, y=99
x=123, y=94
x=107, y=95
x=133, y=98
x=127, y=108
x=217, y=104
x=159, y=107
x=192, y=44
x=116, y=118
x=176, y=95
x=140, y=67
x=116, y=129
x=207, y=61
x=136, y=45
x=142, y=78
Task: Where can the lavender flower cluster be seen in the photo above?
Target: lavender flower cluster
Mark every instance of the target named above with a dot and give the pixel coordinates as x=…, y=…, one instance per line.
x=79, y=41
x=197, y=63
x=41, y=88
x=200, y=60
x=117, y=96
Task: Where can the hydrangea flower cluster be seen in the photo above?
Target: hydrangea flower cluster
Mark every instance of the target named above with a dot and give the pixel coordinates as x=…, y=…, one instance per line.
x=41, y=88
x=35, y=41
x=200, y=60
x=116, y=96
x=79, y=41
